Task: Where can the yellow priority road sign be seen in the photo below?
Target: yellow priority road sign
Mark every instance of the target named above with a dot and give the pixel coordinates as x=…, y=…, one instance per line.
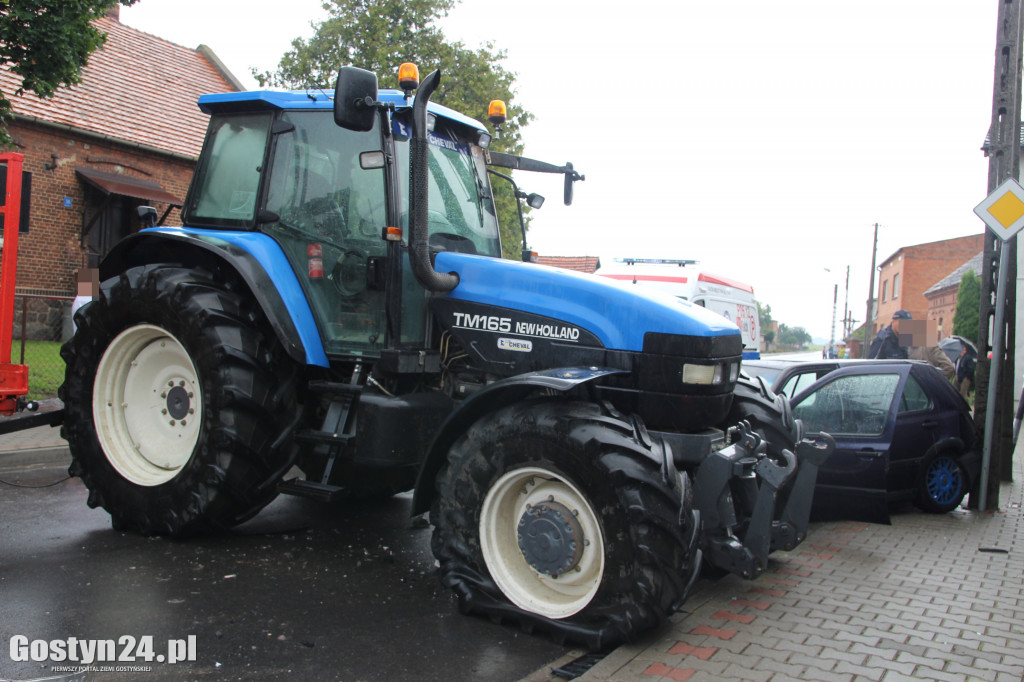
x=1003, y=210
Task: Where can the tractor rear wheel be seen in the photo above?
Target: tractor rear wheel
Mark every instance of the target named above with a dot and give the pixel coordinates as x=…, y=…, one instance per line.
x=567, y=518
x=177, y=396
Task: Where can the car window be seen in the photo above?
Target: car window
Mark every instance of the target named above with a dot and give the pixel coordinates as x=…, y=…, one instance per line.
x=914, y=398
x=798, y=382
x=853, y=404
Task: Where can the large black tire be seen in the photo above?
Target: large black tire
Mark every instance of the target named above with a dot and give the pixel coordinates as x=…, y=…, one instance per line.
x=768, y=414
x=178, y=398
x=549, y=488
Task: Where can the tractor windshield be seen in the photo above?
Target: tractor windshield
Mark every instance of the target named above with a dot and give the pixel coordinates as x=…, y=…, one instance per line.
x=461, y=211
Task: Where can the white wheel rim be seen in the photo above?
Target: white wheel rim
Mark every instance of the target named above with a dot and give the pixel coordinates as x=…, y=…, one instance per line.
x=147, y=405
x=513, y=496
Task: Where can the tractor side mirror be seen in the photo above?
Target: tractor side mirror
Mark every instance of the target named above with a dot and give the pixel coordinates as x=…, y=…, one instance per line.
x=147, y=216
x=534, y=200
x=569, y=179
x=354, y=97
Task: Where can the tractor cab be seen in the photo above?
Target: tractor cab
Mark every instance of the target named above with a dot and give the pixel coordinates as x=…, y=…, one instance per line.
x=337, y=202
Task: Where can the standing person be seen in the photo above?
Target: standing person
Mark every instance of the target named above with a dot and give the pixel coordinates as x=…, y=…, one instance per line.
x=886, y=345
x=965, y=371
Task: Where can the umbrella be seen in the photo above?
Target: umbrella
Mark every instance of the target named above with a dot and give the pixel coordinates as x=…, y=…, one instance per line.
x=952, y=345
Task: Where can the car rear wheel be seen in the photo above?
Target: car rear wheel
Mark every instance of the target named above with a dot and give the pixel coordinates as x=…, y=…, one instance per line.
x=942, y=484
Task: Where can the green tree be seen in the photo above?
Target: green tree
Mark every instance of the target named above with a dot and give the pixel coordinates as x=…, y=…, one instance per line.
x=968, y=307
x=379, y=35
x=764, y=315
x=47, y=42
x=793, y=337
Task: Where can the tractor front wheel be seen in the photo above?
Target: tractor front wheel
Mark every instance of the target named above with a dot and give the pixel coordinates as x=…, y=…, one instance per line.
x=567, y=518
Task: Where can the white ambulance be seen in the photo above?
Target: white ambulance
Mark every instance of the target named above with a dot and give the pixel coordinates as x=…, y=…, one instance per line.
x=729, y=298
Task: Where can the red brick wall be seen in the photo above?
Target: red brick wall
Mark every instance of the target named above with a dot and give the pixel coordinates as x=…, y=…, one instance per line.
x=50, y=254
x=942, y=307
x=919, y=268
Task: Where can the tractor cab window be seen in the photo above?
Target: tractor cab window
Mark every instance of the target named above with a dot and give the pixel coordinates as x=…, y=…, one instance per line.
x=228, y=177
x=461, y=214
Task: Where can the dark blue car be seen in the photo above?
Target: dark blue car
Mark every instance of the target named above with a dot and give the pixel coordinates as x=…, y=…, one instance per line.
x=902, y=432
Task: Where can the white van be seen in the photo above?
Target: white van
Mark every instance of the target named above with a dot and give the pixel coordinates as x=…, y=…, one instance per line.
x=729, y=298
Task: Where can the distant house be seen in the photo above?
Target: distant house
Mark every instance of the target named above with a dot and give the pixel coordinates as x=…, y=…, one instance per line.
x=909, y=272
x=128, y=135
x=587, y=264
x=942, y=297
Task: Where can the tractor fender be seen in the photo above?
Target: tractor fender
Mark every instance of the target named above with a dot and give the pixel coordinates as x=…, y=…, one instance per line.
x=494, y=396
x=255, y=257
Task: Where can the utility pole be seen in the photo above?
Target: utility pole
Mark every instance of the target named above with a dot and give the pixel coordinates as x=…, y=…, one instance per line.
x=846, y=307
x=868, y=319
x=994, y=394
x=835, y=301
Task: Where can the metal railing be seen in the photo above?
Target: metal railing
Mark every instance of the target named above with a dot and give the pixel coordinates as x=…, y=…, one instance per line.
x=42, y=322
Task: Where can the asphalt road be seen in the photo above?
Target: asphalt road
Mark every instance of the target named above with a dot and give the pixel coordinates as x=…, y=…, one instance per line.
x=304, y=590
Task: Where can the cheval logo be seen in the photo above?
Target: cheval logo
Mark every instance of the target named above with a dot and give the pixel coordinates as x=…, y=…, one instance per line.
x=505, y=325
x=518, y=345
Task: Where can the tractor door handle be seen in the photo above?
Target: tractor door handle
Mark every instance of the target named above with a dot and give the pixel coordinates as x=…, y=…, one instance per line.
x=929, y=424
x=869, y=453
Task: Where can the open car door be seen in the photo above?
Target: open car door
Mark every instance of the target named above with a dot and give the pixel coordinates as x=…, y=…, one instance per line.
x=857, y=406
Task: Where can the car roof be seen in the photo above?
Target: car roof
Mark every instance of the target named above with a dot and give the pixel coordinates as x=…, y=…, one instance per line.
x=932, y=377
x=780, y=370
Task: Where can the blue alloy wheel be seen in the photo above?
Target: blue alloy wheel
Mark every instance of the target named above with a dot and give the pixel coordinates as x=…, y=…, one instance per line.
x=943, y=484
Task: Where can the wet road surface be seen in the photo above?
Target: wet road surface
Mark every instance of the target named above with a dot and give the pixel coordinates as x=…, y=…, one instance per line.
x=306, y=590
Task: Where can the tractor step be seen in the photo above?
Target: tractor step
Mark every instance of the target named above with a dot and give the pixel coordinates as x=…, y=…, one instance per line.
x=324, y=492
x=314, y=437
x=336, y=388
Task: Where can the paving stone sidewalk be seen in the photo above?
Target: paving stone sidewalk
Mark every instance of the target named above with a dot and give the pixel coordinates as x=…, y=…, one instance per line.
x=932, y=597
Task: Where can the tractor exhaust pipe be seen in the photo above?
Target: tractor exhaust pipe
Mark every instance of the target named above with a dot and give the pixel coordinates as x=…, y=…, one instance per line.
x=419, y=248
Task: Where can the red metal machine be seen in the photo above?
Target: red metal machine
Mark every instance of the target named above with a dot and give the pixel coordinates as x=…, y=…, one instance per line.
x=13, y=378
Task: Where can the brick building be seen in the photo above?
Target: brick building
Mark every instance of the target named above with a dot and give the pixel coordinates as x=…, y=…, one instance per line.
x=907, y=274
x=942, y=297
x=128, y=135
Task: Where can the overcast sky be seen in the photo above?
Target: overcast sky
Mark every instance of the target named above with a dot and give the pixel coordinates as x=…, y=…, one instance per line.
x=763, y=139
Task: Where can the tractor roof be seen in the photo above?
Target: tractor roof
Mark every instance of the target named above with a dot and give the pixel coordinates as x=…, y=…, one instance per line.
x=311, y=100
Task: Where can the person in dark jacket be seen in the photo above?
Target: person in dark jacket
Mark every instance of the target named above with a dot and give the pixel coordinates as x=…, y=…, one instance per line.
x=965, y=371
x=886, y=345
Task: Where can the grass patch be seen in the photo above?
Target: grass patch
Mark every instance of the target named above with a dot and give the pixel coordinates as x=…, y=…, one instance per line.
x=45, y=367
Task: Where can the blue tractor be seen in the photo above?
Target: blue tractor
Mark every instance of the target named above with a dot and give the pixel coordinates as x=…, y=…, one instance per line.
x=336, y=302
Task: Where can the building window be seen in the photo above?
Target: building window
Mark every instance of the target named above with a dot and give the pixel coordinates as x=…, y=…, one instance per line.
x=895, y=286
x=885, y=291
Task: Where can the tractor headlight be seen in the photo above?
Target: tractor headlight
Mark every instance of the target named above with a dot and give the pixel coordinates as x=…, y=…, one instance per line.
x=703, y=375
x=710, y=375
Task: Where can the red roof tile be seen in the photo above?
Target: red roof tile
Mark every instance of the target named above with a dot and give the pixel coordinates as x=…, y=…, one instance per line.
x=588, y=264
x=137, y=88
